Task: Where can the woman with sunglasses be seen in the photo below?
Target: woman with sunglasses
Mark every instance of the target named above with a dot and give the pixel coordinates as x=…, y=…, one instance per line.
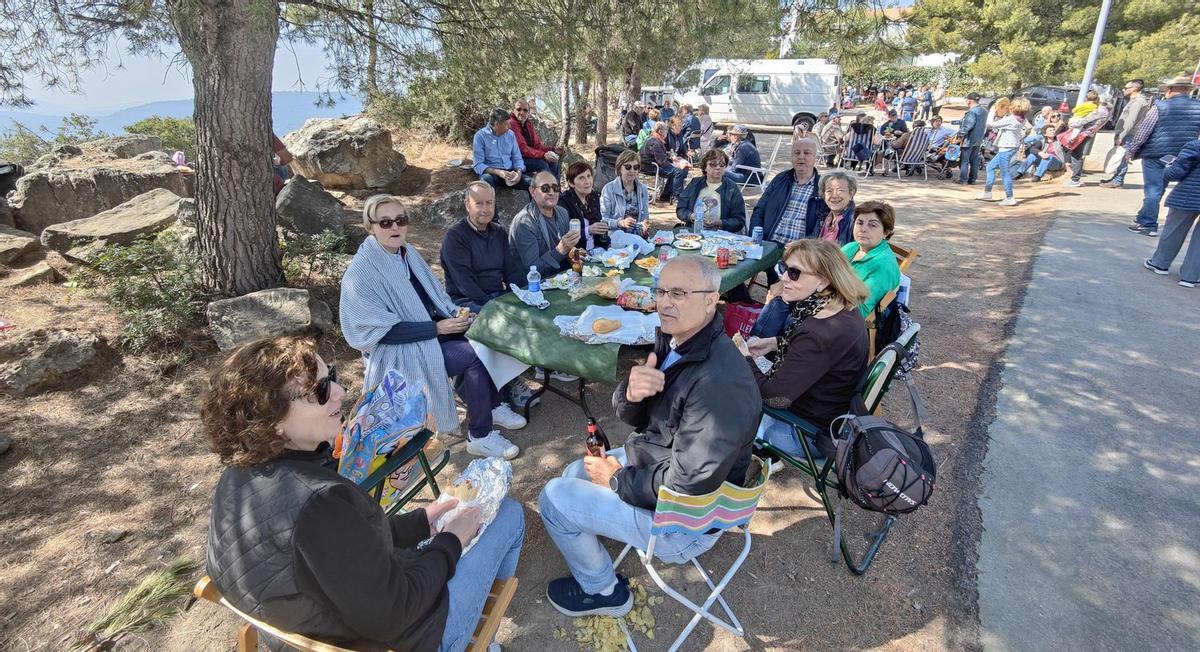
x=293, y=543
x=398, y=314
x=822, y=351
x=625, y=201
x=724, y=207
x=870, y=255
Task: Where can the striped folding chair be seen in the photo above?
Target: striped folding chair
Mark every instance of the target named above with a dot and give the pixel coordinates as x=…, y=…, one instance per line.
x=728, y=507
x=915, y=151
x=863, y=142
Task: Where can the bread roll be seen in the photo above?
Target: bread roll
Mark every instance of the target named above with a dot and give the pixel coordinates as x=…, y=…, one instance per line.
x=465, y=492
x=602, y=326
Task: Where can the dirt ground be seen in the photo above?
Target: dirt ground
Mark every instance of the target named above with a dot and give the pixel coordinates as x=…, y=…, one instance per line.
x=124, y=452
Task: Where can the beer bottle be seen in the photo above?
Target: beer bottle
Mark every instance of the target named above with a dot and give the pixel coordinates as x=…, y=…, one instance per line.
x=597, y=443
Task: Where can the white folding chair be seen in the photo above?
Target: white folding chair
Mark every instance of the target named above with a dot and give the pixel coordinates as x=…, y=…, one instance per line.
x=751, y=171
x=728, y=507
x=915, y=151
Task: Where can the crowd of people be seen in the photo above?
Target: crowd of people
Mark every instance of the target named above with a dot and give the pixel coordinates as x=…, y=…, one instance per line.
x=297, y=545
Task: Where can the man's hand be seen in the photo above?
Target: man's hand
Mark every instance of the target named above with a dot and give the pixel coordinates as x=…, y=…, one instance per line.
x=627, y=222
x=600, y=469
x=435, y=511
x=599, y=228
x=568, y=241
x=551, y=156
x=712, y=221
x=645, y=381
x=453, y=326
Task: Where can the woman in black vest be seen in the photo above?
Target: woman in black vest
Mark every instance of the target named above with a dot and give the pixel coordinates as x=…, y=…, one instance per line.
x=302, y=548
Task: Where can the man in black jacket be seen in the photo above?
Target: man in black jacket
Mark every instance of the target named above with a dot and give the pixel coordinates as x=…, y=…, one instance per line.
x=695, y=408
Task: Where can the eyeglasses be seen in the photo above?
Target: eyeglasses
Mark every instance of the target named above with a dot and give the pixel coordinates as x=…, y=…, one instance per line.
x=677, y=294
x=792, y=273
x=717, y=164
x=550, y=188
x=629, y=166
x=522, y=110
x=388, y=222
x=323, y=385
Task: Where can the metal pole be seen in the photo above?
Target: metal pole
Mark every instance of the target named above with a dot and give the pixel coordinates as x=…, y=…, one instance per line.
x=1095, y=53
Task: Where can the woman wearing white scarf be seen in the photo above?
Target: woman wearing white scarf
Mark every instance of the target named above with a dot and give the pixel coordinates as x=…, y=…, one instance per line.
x=400, y=317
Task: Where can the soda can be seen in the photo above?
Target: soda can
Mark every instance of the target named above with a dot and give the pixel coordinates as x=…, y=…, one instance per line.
x=723, y=258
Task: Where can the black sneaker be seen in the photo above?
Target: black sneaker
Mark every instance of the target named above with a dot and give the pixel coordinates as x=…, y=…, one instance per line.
x=1150, y=266
x=1149, y=231
x=570, y=599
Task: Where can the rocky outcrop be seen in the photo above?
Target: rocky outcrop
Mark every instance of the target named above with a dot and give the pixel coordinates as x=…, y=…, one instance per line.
x=54, y=196
x=127, y=146
x=42, y=360
x=36, y=274
x=547, y=134
x=85, y=239
x=267, y=313
x=304, y=207
x=450, y=209
x=6, y=213
x=15, y=244
x=345, y=153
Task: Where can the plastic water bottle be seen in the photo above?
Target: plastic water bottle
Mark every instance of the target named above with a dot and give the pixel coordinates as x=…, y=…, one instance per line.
x=534, y=280
x=757, y=234
x=698, y=220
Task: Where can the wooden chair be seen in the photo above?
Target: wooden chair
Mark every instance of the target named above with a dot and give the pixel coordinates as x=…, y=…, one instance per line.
x=494, y=608
x=904, y=257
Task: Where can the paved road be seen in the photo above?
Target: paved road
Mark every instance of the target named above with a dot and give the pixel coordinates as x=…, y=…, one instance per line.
x=1091, y=489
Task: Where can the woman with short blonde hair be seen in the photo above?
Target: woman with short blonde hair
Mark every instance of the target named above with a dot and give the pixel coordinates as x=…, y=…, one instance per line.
x=822, y=351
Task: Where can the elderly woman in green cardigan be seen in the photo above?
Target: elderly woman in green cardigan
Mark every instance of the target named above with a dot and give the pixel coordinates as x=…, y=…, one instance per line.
x=870, y=256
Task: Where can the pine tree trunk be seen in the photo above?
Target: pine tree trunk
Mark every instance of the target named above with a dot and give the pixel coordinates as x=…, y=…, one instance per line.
x=372, y=50
x=230, y=45
x=601, y=105
x=582, y=91
x=565, y=92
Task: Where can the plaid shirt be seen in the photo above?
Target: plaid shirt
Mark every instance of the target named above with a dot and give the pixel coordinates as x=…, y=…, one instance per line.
x=792, y=224
x=1143, y=131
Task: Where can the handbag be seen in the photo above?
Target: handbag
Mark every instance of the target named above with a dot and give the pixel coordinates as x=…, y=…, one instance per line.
x=1071, y=139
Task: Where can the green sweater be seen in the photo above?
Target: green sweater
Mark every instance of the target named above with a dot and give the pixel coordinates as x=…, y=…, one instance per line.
x=878, y=269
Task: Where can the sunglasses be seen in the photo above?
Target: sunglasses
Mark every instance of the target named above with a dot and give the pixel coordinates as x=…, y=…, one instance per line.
x=550, y=188
x=629, y=166
x=788, y=271
x=388, y=223
x=323, y=385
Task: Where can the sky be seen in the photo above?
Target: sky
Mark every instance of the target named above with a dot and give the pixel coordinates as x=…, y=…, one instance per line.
x=126, y=80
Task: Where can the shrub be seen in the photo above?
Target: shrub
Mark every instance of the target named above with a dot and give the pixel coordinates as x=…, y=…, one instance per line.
x=24, y=145
x=311, y=259
x=176, y=133
x=155, y=286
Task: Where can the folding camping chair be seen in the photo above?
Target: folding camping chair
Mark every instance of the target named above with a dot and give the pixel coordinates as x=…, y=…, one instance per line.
x=655, y=178
x=871, y=389
x=758, y=176
x=375, y=483
x=915, y=151
x=498, y=599
x=728, y=507
x=860, y=141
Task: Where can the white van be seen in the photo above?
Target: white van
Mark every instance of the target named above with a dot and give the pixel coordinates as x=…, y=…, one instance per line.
x=783, y=92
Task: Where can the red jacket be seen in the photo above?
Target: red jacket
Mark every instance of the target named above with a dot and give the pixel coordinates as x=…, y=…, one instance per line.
x=527, y=138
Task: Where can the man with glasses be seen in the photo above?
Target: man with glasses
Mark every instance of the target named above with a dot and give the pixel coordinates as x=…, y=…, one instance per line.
x=541, y=235
x=1136, y=105
x=497, y=158
x=694, y=407
x=537, y=157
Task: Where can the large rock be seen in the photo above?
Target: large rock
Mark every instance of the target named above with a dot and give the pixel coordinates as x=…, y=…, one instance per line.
x=85, y=239
x=127, y=146
x=42, y=360
x=267, y=313
x=450, y=209
x=345, y=153
x=304, y=207
x=547, y=134
x=55, y=196
x=36, y=274
x=6, y=213
x=15, y=243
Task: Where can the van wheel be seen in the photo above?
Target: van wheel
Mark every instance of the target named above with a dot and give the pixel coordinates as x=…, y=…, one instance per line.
x=805, y=120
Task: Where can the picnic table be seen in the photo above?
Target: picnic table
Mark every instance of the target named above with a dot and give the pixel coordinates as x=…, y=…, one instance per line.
x=509, y=326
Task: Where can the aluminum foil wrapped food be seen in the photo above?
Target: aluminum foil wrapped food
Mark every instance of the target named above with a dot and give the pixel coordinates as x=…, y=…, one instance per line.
x=483, y=484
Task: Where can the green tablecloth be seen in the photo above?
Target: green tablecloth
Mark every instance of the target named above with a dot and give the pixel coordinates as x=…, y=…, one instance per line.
x=529, y=335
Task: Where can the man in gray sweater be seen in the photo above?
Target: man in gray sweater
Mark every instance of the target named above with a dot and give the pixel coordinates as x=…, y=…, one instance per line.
x=540, y=235
x=1136, y=105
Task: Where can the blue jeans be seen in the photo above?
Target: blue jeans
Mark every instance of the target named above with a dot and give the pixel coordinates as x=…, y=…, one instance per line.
x=535, y=165
x=1153, y=187
x=674, y=178
x=1003, y=162
x=969, y=163
x=1119, y=177
x=577, y=512
x=494, y=557
x=495, y=182
x=1043, y=165
x=1175, y=230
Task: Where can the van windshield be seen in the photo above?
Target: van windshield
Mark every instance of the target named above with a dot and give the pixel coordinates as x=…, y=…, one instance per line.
x=718, y=85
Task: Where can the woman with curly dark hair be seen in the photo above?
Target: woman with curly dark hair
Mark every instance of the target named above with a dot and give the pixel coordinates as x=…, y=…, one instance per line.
x=298, y=546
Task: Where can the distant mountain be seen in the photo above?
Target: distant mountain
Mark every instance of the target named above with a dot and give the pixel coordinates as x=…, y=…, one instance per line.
x=289, y=110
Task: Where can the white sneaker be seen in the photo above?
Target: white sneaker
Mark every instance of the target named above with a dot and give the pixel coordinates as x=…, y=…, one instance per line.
x=494, y=445
x=1186, y=284
x=504, y=417
x=560, y=376
x=1072, y=184
x=986, y=195
x=1009, y=201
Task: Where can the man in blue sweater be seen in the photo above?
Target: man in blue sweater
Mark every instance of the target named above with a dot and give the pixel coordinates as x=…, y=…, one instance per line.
x=1169, y=125
x=496, y=155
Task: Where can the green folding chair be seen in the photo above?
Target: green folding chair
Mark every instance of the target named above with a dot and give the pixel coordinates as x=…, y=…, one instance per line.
x=871, y=389
x=375, y=483
x=727, y=507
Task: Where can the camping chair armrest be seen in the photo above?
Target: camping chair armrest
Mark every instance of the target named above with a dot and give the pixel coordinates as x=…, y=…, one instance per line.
x=397, y=459
x=803, y=425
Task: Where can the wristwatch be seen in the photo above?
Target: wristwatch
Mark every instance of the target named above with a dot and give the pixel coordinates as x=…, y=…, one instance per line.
x=612, y=482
